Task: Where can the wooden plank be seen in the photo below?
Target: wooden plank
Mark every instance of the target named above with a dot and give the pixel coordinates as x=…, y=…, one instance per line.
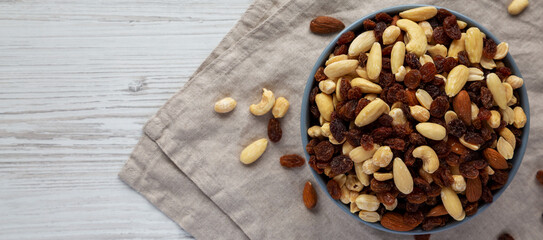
x=68, y=120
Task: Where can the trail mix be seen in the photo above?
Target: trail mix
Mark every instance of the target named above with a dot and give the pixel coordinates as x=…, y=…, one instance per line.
x=415, y=119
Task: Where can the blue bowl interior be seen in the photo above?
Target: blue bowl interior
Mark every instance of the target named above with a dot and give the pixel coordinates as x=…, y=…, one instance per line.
x=306, y=118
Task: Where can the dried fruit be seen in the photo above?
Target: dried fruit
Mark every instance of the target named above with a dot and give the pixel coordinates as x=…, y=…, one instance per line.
x=324, y=151
x=412, y=60
x=369, y=24
x=412, y=79
x=337, y=128
x=505, y=236
x=383, y=17
x=325, y=25
x=340, y=164
x=319, y=75
x=333, y=189
x=422, y=237
x=274, y=130
x=309, y=195
x=463, y=58
x=490, y=48
x=346, y=38
x=439, y=107
x=341, y=49
x=291, y=160
x=451, y=27
x=378, y=186
x=428, y=71
x=433, y=222
x=468, y=170
x=417, y=196
x=440, y=36
x=539, y=176
x=379, y=29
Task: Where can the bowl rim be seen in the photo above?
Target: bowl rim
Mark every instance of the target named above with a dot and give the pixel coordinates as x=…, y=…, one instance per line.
x=305, y=117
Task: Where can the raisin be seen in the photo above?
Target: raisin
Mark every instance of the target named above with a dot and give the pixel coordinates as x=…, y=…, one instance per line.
x=442, y=14
x=433, y=222
x=315, y=111
x=468, y=170
x=347, y=110
x=385, y=120
x=444, y=175
x=313, y=164
x=435, y=190
x=324, y=151
x=428, y=71
x=378, y=186
x=417, y=139
x=432, y=90
x=449, y=64
x=383, y=17
x=340, y=165
x=503, y=72
x=353, y=137
x=408, y=156
x=422, y=184
x=319, y=75
x=274, y=130
x=475, y=87
x=386, y=63
x=412, y=79
x=451, y=27
x=402, y=130
x=505, y=236
x=438, y=62
x=413, y=218
x=309, y=148
x=422, y=237
x=486, y=133
x=333, y=189
x=395, y=143
x=412, y=61
x=483, y=175
x=379, y=29
x=463, y=58
x=490, y=48
x=486, y=97
x=360, y=105
x=484, y=114
x=487, y=196
x=442, y=149
x=291, y=160
x=396, y=93
x=369, y=24
x=453, y=160
x=456, y=128
x=366, y=141
x=432, y=201
x=341, y=49
x=380, y=134
x=313, y=94
x=539, y=176
x=471, y=208
x=438, y=81
x=346, y=38
x=439, y=107
x=337, y=128
x=411, y=98
x=362, y=59
x=500, y=176
x=474, y=138
x=386, y=79
x=417, y=196
x=386, y=198
x=440, y=36
x=323, y=165
x=387, y=50
x=411, y=207
x=344, y=87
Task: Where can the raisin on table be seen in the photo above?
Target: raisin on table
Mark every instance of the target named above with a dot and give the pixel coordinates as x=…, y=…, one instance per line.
x=274, y=130
x=291, y=160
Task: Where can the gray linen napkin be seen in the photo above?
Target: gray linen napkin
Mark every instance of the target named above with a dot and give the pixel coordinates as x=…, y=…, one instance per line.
x=264, y=199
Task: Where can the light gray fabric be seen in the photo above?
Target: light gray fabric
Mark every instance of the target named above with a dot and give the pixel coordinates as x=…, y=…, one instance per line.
x=264, y=199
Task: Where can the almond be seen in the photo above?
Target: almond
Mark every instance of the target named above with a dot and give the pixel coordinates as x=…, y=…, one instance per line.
x=310, y=195
x=495, y=159
x=473, y=189
x=394, y=221
x=438, y=210
x=462, y=107
x=325, y=25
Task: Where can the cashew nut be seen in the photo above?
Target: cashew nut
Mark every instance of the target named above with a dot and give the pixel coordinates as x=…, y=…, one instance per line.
x=225, y=105
x=417, y=39
x=265, y=105
x=430, y=162
x=280, y=108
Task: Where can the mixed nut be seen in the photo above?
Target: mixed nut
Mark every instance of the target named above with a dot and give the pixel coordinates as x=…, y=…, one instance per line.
x=415, y=119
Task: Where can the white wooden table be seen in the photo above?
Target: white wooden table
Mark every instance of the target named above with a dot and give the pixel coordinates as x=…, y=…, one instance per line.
x=68, y=120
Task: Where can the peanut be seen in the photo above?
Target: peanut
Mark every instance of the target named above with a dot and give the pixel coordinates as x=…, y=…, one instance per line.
x=424, y=98
x=367, y=202
x=345, y=195
x=517, y=6
x=370, y=112
x=427, y=176
x=361, y=72
x=461, y=24
x=371, y=96
x=495, y=119
x=459, y=184
x=353, y=207
x=382, y=176
x=428, y=30
x=475, y=74
x=474, y=111
x=325, y=105
x=340, y=179
x=280, y=107
x=265, y=104
x=419, y=14
x=402, y=177
x=314, y=132
x=346, y=148
x=360, y=154
x=474, y=44
x=325, y=129
x=430, y=162
x=390, y=34
x=449, y=116
x=438, y=49
x=327, y=86
x=253, y=151
x=362, y=177
x=352, y=198
x=362, y=43
x=225, y=105
x=515, y=81
x=340, y=68
x=417, y=39
x=391, y=207
x=366, y=86
x=397, y=57
x=382, y=156
x=419, y=113
x=369, y=168
x=336, y=59
x=369, y=216
x=497, y=89
x=487, y=63
x=508, y=136
x=457, y=46
x=425, y=59
x=374, y=64
x=353, y=184
x=399, y=76
x=504, y=148
x=520, y=117
x=456, y=80
x=501, y=51
x=452, y=203
x=468, y=145
x=398, y=117
x=432, y=131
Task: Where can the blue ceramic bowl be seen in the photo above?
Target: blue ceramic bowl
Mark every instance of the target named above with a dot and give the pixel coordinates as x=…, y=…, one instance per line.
x=306, y=118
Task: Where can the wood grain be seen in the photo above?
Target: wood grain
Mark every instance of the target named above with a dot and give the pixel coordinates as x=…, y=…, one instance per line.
x=68, y=121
